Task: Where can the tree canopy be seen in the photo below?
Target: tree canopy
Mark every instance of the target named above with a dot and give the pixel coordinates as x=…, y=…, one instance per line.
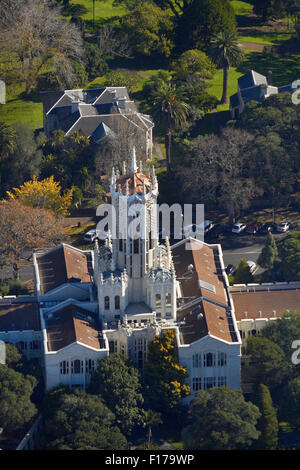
x=220, y=419
x=116, y=381
x=79, y=421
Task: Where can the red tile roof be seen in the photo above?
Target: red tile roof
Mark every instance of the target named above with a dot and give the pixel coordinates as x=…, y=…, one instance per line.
x=265, y=302
x=71, y=324
x=58, y=266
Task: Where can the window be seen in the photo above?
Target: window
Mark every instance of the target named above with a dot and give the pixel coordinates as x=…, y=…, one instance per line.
x=35, y=344
x=77, y=366
x=136, y=245
x=64, y=367
x=222, y=359
x=196, y=384
x=22, y=345
x=222, y=381
x=157, y=300
x=117, y=302
x=89, y=365
x=168, y=299
x=209, y=360
x=196, y=360
x=120, y=244
x=168, y=314
x=106, y=303
x=209, y=382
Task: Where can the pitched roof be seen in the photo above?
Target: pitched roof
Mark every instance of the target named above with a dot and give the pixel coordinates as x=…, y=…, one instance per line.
x=70, y=324
x=19, y=316
x=204, y=307
x=267, y=302
x=61, y=265
x=251, y=79
x=134, y=181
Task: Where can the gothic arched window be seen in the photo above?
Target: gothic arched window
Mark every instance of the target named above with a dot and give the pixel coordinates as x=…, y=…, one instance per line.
x=117, y=302
x=106, y=303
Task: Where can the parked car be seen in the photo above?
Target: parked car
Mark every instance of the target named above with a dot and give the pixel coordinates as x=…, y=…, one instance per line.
x=217, y=230
x=283, y=227
x=254, y=227
x=268, y=227
x=90, y=236
x=230, y=269
x=252, y=266
x=238, y=227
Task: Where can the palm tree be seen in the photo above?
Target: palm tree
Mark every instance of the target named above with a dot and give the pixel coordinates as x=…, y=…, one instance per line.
x=152, y=419
x=170, y=110
x=225, y=52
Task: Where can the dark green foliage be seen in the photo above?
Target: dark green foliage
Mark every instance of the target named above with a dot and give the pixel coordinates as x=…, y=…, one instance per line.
x=113, y=78
x=269, y=361
x=116, y=381
x=269, y=253
x=267, y=423
x=16, y=407
x=201, y=20
x=78, y=421
x=289, y=257
x=290, y=402
x=284, y=332
x=268, y=9
x=95, y=62
x=221, y=419
x=243, y=274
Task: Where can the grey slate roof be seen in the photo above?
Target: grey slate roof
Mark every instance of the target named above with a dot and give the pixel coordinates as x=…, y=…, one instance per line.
x=253, y=93
x=85, y=110
x=251, y=79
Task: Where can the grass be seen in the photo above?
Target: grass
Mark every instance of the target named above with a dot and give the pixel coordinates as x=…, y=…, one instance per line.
x=269, y=38
x=216, y=85
x=76, y=233
x=103, y=11
x=21, y=109
x=242, y=8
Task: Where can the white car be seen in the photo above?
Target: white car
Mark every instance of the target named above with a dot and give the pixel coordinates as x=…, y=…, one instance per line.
x=252, y=266
x=283, y=227
x=90, y=236
x=238, y=227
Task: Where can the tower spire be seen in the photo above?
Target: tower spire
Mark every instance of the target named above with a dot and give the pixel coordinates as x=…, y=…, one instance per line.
x=134, y=166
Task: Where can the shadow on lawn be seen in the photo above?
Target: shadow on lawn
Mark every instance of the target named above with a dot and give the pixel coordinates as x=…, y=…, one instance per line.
x=284, y=68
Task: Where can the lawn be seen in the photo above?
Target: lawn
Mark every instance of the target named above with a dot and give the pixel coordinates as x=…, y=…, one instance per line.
x=20, y=109
x=242, y=8
x=270, y=38
x=103, y=10
x=216, y=85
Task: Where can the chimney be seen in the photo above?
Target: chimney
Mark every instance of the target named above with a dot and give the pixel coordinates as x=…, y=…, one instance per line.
x=246, y=314
x=75, y=106
x=270, y=77
x=259, y=313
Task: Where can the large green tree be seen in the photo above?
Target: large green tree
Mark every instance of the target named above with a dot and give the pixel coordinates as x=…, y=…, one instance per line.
x=290, y=402
x=79, y=421
x=116, y=381
x=201, y=20
x=243, y=274
x=16, y=407
x=149, y=29
x=268, y=422
x=269, y=252
x=226, y=52
x=284, y=332
x=269, y=361
x=220, y=419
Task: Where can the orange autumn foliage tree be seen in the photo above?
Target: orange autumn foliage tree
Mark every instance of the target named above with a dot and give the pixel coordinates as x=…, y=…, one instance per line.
x=45, y=194
x=23, y=229
x=164, y=378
